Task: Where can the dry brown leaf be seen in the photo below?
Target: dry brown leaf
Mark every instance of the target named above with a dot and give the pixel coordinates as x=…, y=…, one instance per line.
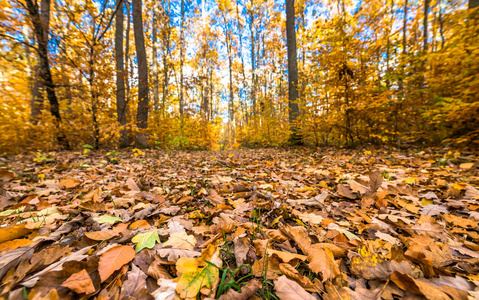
x=14, y=244
x=101, y=235
x=181, y=240
x=132, y=185
x=135, y=283
x=375, y=181
x=114, y=259
x=322, y=262
x=345, y=192
x=69, y=183
x=407, y=283
x=358, y=188
x=13, y=232
x=173, y=254
x=287, y=289
x=286, y=256
x=461, y=222
x=246, y=291
x=293, y=274
x=158, y=271
x=80, y=283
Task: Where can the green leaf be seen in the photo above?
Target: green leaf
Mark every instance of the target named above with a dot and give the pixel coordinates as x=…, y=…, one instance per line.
x=146, y=240
x=107, y=219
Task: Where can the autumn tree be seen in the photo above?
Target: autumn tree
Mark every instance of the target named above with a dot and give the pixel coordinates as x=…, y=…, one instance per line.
x=121, y=105
x=292, y=71
x=143, y=90
x=40, y=21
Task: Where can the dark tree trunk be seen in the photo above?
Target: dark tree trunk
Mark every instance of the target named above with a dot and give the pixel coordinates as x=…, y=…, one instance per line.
x=120, y=75
x=240, y=35
x=142, y=112
x=156, y=96
x=37, y=99
x=473, y=4
x=166, y=54
x=425, y=24
x=292, y=71
x=46, y=81
x=182, y=57
x=253, y=65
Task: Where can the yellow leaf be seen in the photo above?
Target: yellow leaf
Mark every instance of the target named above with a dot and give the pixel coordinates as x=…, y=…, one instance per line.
x=14, y=244
x=13, y=232
x=180, y=240
x=199, y=274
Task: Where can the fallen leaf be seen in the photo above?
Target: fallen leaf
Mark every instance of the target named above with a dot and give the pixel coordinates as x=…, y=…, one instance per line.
x=13, y=232
x=145, y=240
x=246, y=292
x=107, y=219
x=135, y=282
x=173, y=254
x=199, y=274
x=114, y=259
x=80, y=283
x=101, y=235
x=287, y=289
x=434, y=210
x=322, y=262
x=181, y=240
x=69, y=183
x=345, y=192
x=407, y=283
x=14, y=244
x=166, y=290
x=375, y=181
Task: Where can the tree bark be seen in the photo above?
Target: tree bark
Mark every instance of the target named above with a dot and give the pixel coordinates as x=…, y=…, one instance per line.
x=142, y=112
x=240, y=50
x=41, y=33
x=473, y=4
x=120, y=75
x=292, y=71
x=156, y=95
x=425, y=24
x=253, y=65
x=166, y=54
x=181, y=104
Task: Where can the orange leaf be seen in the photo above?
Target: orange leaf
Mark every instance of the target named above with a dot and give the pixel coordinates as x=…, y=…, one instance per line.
x=101, y=235
x=13, y=232
x=141, y=224
x=113, y=259
x=14, y=244
x=80, y=283
x=69, y=183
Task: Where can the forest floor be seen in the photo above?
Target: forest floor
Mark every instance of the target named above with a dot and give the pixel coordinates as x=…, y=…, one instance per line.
x=242, y=224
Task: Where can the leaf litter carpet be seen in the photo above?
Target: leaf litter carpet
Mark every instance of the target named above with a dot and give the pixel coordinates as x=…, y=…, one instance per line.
x=243, y=224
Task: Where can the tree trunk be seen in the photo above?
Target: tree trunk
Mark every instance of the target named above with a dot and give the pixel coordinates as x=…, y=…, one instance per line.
x=120, y=75
x=473, y=4
x=156, y=96
x=142, y=112
x=240, y=50
x=128, y=63
x=37, y=90
x=37, y=99
x=292, y=72
x=181, y=104
x=253, y=66
x=404, y=30
x=426, y=13
x=441, y=28
x=41, y=33
x=402, y=90
x=166, y=54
